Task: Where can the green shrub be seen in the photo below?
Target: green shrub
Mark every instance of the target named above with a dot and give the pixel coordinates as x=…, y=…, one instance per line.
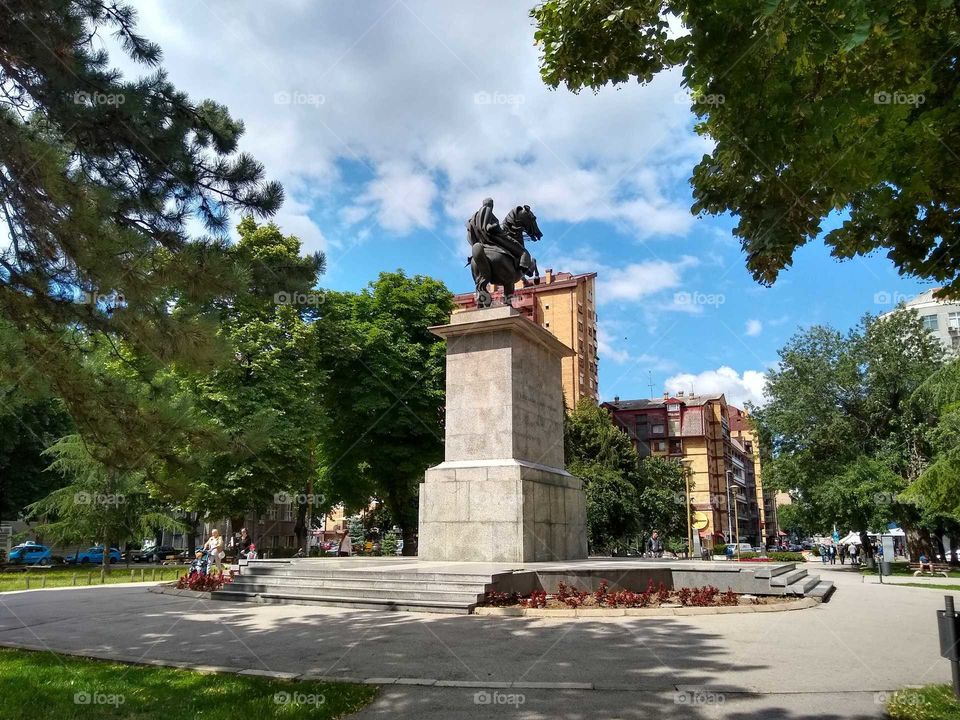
x=720, y=549
x=786, y=556
x=815, y=551
x=747, y=555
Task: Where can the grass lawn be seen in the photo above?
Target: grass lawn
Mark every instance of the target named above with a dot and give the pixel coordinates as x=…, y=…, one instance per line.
x=83, y=575
x=933, y=702
x=44, y=686
x=927, y=585
x=903, y=569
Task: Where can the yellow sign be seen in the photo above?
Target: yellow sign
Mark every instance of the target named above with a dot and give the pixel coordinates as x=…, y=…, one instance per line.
x=700, y=520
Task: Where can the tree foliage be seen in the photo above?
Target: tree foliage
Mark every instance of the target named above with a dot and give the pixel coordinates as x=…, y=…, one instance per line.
x=626, y=497
x=100, y=178
x=99, y=504
x=843, y=105
x=385, y=393
x=845, y=437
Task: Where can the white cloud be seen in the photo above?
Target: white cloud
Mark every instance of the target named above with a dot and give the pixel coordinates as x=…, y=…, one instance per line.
x=638, y=280
x=737, y=388
x=400, y=198
x=754, y=328
x=391, y=89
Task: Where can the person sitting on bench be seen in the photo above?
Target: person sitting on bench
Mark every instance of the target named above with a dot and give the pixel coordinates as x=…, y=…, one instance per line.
x=926, y=564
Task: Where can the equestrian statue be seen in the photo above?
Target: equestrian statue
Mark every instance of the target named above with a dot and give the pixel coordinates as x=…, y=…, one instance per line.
x=498, y=255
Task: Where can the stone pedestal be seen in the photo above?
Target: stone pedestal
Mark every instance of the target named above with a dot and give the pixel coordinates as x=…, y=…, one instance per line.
x=502, y=493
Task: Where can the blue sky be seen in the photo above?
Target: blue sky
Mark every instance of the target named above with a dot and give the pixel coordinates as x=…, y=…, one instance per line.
x=388, y=121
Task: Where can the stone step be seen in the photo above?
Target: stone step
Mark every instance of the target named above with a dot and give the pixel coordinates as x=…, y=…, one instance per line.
x=410, y=576
x=767, y=571
x=789, y=578
x=411, y=594
x=403, y=605
x=823, y=590
x=801, y=587
x=362, y=583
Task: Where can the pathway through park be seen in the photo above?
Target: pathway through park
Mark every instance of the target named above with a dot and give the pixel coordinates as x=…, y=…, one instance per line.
x=837, y=660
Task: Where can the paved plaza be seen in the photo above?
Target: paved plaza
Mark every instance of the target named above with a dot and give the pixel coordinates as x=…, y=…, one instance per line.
x=835, y=660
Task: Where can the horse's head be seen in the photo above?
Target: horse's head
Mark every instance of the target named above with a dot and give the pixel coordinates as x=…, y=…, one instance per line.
x=524, y=218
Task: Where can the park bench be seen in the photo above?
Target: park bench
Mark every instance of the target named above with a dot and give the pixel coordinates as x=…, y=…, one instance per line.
x=932, y=568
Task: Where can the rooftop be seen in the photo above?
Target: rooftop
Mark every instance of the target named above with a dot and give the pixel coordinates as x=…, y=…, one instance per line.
x=684, y=399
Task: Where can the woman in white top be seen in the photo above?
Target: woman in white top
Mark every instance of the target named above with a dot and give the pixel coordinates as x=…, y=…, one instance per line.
x=214, y=548
x=346, y=545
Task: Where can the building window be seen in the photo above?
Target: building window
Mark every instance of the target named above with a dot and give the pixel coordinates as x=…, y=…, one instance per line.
x=546, y=307
x=674, y=426
x=673, y=407
x=953, y=320
x=930, y=322
x=546, y=324
x=657, y=430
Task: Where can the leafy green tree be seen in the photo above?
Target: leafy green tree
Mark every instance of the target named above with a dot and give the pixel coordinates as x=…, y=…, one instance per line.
x=264, y=407
x=27, y=428
x=385, y=396
x=100, y=178
x=663, y=488
x=98, y=504
x=844, y=105
x=626, y=496
x=840, y=412
x=357, y=533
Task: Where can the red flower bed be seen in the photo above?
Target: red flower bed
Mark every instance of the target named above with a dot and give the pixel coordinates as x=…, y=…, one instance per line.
x=566, y=596
x=203, y=583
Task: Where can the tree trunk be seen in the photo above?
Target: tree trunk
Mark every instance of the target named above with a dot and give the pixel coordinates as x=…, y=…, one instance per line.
x=300, y=529
x=866, y=546
x=192, y=536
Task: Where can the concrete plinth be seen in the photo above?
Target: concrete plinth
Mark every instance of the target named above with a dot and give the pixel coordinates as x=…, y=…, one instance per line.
x=502, y=494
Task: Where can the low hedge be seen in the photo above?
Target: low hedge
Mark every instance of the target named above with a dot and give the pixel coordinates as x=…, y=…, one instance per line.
x=786, y=556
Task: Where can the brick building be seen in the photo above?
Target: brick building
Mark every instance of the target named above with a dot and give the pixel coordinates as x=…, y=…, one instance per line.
x=716, y=443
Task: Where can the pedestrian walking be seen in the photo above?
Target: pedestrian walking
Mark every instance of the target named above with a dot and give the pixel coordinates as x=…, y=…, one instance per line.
x=655, y=545
x=215, y=554
x=346, y=545
x=824, y=554
x=833, y=554
x=843, y=554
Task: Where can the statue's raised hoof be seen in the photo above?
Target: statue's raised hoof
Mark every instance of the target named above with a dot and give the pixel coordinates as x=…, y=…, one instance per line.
x=483, y=299
x=536, y=280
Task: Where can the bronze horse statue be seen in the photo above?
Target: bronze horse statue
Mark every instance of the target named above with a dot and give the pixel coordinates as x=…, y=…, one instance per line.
x=498, y=255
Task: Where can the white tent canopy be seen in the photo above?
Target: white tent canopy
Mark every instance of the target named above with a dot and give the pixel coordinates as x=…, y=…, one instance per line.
x=853, y=538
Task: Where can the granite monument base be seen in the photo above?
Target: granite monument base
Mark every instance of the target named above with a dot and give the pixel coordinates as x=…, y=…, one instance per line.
x=501, y=511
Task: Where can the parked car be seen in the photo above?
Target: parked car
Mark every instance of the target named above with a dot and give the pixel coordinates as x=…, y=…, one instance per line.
x=744, y=548
x=154, y=554
x=93, y=555
x=31, y=553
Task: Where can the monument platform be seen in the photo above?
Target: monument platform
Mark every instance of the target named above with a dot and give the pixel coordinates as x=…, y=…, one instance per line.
x=502, y=493
x=414, y=585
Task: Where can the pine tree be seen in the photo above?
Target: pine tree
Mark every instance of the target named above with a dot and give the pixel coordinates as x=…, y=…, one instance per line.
x=357, y=532
x=100, y=177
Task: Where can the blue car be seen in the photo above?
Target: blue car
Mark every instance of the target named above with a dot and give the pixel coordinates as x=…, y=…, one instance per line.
x=30, y=553
x=93, y=555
